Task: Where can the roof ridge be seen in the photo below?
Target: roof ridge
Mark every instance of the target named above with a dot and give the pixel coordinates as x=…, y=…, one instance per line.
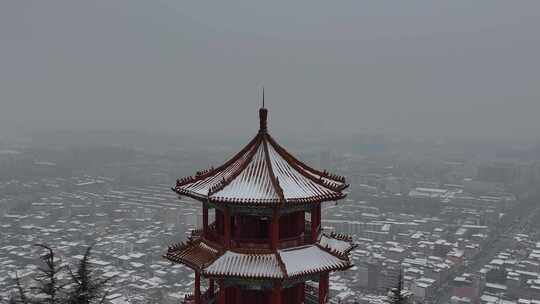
x=343, y=257
x=209, y=172
x=274, y=180
x=326, y=174
x=339, y=237
x=179, y=253
x=211, y=261
x=291, y=161
x=221, y=185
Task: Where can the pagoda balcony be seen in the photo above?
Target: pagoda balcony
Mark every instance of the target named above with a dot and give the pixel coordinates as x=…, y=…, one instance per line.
x=255, y=243
x=213, y=235
x=311, y=297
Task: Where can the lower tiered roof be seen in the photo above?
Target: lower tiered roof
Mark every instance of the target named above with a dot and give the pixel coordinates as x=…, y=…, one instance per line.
x=330, y=253
x=311, y=259
x=195, y=254
x=246, y=265
x=338, y=243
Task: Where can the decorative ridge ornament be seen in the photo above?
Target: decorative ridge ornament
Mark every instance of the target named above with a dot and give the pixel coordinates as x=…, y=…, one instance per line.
x=263, y=120
x=263, y=116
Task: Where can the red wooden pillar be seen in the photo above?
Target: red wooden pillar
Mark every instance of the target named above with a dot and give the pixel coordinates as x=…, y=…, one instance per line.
x=300, y=293
x=315, y=222
x=205, y=219
x=275, y=230
x=197, y=287
x=238, y=292
x=276, y=293
x=323, y=288
x=211, y=286
x=319, y=206
x=300, y=220
x=227, y=227
x=222, y=297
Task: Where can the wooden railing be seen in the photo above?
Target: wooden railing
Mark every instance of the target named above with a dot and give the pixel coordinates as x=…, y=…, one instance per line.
x=311, y=297
x=236, y=242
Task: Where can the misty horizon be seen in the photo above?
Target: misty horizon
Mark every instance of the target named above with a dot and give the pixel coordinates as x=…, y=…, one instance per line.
x=457, y=69
x=396, y=160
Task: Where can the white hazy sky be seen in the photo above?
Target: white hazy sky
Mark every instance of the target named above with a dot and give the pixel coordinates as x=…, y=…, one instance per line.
x=450, y=67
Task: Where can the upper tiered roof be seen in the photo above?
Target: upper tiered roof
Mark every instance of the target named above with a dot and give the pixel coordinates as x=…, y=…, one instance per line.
x=263, y=174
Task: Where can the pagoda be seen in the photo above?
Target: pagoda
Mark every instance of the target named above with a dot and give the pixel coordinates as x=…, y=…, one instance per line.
x=266, y=244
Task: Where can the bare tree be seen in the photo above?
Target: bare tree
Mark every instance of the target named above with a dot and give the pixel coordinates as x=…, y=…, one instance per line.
x=21, y=292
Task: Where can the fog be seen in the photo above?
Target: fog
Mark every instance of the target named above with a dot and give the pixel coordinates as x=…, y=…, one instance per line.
x=413, y=125
x=458, y=68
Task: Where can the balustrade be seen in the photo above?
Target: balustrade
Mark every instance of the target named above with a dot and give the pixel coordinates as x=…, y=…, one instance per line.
x=256, y=243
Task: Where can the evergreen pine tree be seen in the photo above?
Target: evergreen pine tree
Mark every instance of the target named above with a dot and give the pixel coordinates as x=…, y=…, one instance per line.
x=51, y=288
x=87, y=288
x=49, y=283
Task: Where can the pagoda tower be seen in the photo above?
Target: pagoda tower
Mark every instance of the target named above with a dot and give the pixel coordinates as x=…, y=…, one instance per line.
x=266, y=244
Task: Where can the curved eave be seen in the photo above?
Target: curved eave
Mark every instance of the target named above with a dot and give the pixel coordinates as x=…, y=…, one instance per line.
x=339, y=180
x=260, y=203
x=280, y=265
x=339, y=245
x=345, y=266
x=183, y=262
x=194, y=254
x=201, y=175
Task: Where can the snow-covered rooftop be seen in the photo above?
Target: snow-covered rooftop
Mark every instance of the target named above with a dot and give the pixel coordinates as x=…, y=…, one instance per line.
x=262, y=173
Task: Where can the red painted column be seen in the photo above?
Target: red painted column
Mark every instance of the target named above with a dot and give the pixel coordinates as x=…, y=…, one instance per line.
x=197, y=288
x=222, y=292
x=276, y=293
x=211, y=286
x=275, y=230
x=314, y=224
x=323, y=288
x=205, y=219
x=301, y=221
x=319, y=206
x=227, y=227
x=300, y=293
x=238, y=292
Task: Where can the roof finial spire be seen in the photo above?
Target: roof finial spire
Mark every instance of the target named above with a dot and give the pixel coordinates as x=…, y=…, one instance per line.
x=263, y=115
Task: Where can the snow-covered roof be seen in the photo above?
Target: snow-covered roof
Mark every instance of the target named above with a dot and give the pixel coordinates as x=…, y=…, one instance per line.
x=194, y=254
x=295, y=261
x=262, y=173
x=310, y=259
x=246, y=265
x=290, y=262
x=335, y=244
